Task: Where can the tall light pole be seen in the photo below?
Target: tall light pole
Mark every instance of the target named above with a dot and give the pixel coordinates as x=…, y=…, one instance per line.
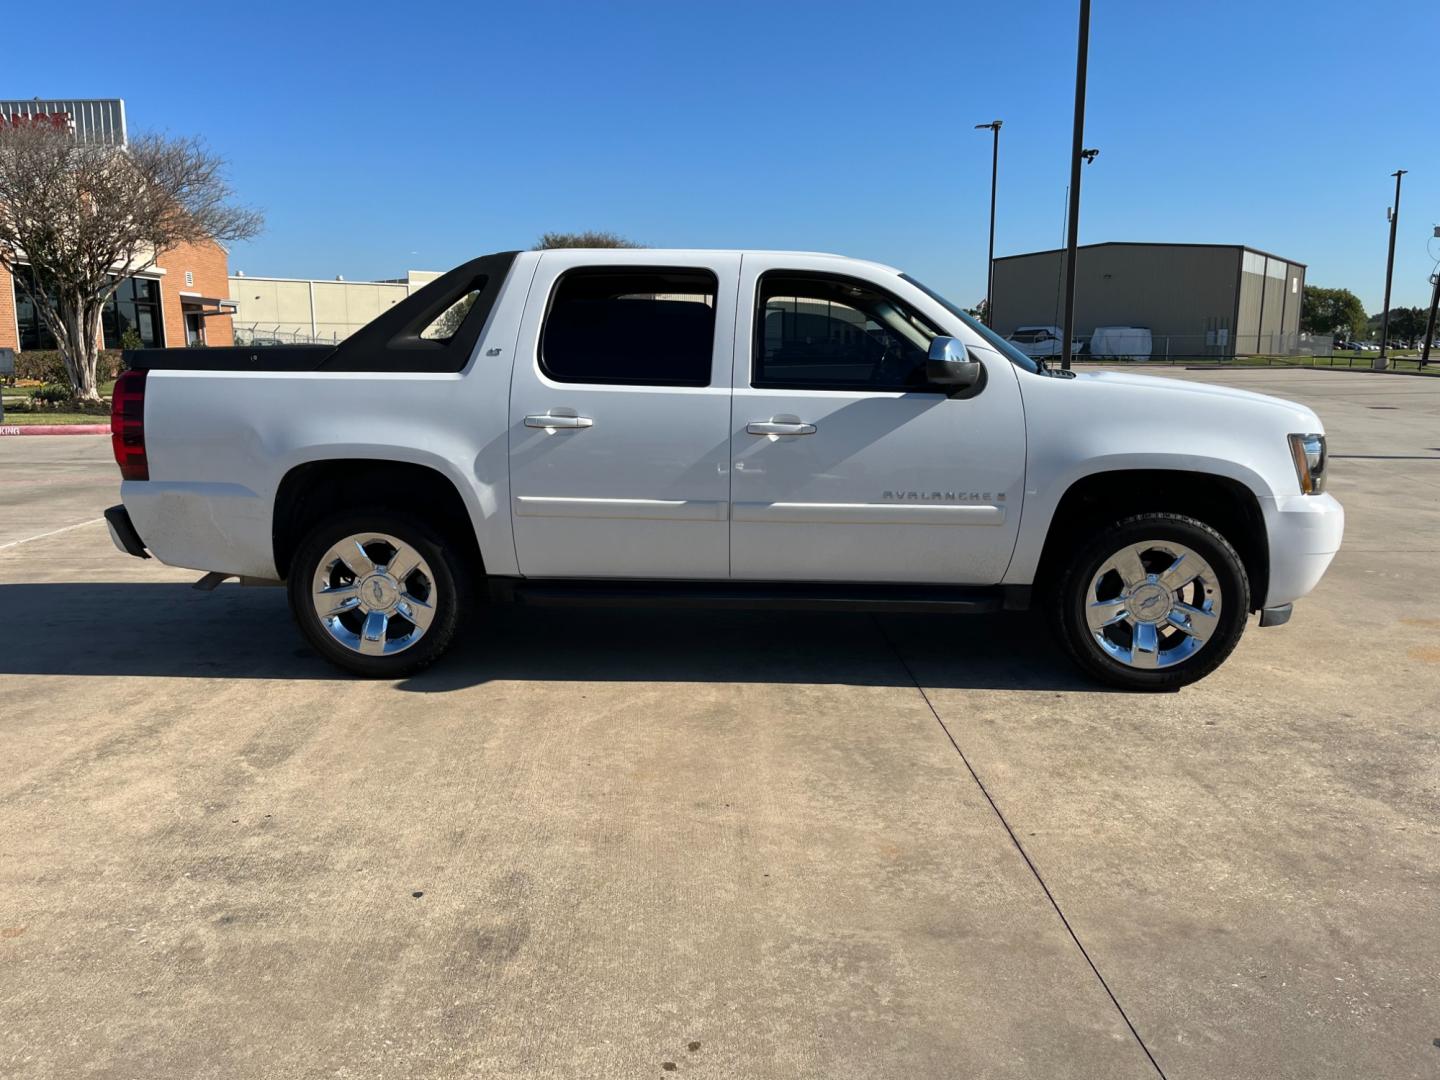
x=1434, y=304
x=1389, y=271
x=1082, y=59
x=1430, y=322
x=994, y=126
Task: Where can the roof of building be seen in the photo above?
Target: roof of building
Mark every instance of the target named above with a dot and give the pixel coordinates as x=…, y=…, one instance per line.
x=1153, y=244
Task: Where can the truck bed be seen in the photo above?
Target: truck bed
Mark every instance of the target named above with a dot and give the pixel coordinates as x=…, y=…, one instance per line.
x=231, y=358
x=392, y=342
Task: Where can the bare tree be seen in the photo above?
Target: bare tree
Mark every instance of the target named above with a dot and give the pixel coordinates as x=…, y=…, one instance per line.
x=86, y=217
x=584, y=240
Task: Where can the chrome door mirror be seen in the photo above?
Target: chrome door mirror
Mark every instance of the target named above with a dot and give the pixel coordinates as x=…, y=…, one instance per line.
x=949, y=365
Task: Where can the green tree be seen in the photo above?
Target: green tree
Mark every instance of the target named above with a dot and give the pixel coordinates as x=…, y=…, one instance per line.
x=589, y=239
x=1327, y=311
x=1407, y=324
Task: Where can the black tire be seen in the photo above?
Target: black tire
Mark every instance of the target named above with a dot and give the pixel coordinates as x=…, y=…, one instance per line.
x=1069, y=600
x=448, y=593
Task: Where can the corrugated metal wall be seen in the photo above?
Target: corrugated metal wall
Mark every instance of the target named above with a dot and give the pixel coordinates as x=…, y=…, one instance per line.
x=94, y=120
x=1183, y=293
x=1270, y=293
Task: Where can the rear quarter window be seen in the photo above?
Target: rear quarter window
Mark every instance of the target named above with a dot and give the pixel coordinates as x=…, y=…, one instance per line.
x=632, y=326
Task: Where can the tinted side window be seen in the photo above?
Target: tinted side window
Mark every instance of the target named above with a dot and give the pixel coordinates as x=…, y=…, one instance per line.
x=642, y=326
x=822, y=332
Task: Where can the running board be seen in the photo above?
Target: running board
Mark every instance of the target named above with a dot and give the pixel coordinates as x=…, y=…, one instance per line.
x=760, y=596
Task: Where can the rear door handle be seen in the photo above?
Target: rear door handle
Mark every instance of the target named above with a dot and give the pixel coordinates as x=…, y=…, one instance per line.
x=779, y=427
x=554, y=422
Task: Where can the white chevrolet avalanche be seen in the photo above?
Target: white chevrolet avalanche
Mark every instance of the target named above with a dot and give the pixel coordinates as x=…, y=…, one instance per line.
x=759, y=429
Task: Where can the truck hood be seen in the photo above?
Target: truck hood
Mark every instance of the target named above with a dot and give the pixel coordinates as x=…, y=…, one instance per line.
x=1207, y=390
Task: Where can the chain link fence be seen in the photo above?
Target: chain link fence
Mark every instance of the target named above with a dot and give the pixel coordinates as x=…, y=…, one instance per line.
x=257, y=334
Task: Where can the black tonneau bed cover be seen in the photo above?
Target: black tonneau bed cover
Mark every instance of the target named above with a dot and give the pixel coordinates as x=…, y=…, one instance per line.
x=391, y=342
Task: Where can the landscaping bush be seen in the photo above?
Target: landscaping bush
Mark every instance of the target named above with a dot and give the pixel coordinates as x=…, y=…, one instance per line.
x=52, y=393
x=45, y=365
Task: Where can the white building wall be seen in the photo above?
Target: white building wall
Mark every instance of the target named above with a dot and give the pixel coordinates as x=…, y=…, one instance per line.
x=306, y=309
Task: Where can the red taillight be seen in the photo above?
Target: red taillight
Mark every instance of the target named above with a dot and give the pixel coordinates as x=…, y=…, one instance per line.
x=127, y=426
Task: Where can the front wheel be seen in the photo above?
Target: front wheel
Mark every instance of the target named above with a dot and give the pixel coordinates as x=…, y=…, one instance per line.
x=1152, y=602
x=376, y=593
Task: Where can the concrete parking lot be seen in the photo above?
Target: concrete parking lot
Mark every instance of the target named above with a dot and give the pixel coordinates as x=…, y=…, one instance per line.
x=727, y=845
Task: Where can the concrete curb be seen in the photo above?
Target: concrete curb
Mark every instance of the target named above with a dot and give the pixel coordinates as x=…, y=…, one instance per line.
x=55, y=429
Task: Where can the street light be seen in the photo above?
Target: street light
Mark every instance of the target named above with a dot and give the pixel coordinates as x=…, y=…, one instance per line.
x=1389, y=271
x=1434, y=304
x=1077, y=152
x=993, y=126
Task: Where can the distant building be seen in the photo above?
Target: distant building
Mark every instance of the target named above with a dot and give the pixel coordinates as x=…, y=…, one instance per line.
x=1202, y=300
x=181, y=300
x=273, y=309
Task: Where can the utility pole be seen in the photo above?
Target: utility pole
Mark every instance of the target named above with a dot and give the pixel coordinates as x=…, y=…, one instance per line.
x=994, y=126
x=1430, y=322
x=1082, y=59
x=1380, y=361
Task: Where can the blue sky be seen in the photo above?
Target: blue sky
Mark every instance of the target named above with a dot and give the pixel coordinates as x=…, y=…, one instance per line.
x=380, y=137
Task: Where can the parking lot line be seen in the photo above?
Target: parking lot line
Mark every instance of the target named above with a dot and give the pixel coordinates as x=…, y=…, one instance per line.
x=1019, y=847
x=52, y=532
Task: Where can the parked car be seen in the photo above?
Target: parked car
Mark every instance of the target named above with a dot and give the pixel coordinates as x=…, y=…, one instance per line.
x=758, y=429
x=1121, y=343
x=1043, y=341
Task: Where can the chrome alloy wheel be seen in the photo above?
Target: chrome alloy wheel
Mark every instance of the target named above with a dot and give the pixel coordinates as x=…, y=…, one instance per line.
x=1153, y=604
x=374, y=594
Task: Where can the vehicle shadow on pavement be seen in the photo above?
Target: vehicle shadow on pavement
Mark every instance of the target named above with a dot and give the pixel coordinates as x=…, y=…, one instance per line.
x=170, y=630
x=998, y=652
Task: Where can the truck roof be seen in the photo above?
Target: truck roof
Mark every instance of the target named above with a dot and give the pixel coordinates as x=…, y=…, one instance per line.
x=649, y=254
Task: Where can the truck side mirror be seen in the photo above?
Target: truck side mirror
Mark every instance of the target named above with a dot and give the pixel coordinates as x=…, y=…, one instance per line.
x=949, y=365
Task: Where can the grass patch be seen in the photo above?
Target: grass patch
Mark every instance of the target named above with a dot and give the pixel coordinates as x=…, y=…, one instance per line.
x=16, y=418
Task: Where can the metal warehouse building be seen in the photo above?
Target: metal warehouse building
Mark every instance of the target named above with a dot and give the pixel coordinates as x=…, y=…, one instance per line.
x=1196, y=299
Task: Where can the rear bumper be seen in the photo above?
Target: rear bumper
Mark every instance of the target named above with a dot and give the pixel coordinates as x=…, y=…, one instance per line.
x=122, y=532
x=1304, y=533
x=203, y=526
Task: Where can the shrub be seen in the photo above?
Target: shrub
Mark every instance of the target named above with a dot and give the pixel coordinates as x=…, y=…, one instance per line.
x=46, y=366
x=42, y=364
x=52, y=393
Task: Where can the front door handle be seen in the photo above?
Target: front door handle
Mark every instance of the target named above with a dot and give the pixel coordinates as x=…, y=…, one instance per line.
x=554, y=422
x=779, y=427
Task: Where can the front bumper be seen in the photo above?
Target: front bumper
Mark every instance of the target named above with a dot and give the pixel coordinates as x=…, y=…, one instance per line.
x=122, y=532
x=1304, y=533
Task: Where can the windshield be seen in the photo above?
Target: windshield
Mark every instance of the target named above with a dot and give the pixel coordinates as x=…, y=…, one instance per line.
x=999, y=344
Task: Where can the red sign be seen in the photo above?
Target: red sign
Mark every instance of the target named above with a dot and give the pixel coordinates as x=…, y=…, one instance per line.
x=60, y=121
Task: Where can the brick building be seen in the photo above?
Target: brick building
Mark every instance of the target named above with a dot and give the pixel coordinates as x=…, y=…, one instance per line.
x=184, y=299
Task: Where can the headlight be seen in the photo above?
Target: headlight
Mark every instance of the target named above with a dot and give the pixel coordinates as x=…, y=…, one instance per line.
x=1309, y=454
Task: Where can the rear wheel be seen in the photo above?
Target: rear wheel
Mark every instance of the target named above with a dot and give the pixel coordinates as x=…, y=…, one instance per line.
x=1152, y=602
x=376, y=593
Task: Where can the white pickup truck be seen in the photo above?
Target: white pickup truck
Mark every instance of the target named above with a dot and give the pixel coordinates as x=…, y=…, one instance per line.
x=760, y=429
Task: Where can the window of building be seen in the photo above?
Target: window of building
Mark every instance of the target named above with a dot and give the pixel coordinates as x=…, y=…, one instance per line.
x=34, y=334
x=194, y=329
x=821, y=332
x=135, y=306
x=632, y=326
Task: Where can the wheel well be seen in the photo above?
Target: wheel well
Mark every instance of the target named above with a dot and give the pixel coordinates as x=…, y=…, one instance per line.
x=312, y=492
x=1226, y=505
